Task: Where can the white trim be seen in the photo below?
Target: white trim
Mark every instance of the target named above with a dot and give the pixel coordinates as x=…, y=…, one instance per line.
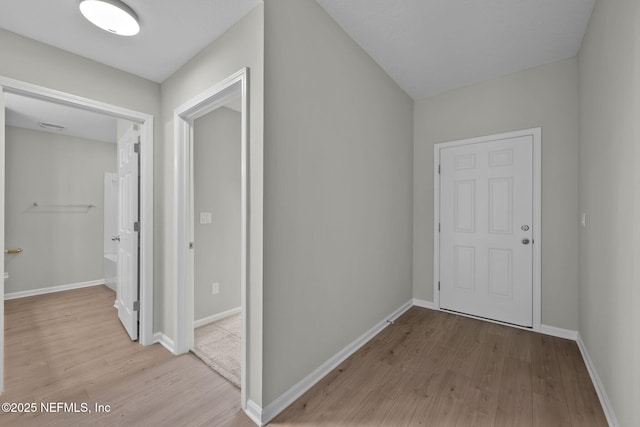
x=217, y=317
x=600, y=390
x=165, y=341
x=568, y=334
x=146, y=182
x=183, y=118
x=536, y=133
x=52, y=289
x=544, y=329
x=254, y=412
x=290, y=396
x=425, y=304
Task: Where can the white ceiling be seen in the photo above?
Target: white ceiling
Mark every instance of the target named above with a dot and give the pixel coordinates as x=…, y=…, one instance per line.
x=430, y=46
x=426, y=46
x=171, y=33
x=25, y=112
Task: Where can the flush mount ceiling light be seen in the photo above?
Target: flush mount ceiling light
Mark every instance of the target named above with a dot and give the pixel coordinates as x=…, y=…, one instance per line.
x=111, y=15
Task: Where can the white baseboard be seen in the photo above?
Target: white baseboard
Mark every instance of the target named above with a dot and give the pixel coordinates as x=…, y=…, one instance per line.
x=290, y=396
x=52, y=289
x=544, y=329
x=165, y=341
x=559, y=332
x=424, y=304
x=216, y=317
x=254, y=412
x=595, y=378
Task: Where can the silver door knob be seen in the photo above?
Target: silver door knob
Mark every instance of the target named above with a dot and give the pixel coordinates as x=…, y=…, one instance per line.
x=525, y=241
x=116, y=238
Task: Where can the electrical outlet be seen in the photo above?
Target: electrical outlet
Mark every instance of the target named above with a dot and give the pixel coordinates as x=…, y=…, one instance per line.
x=215, y=288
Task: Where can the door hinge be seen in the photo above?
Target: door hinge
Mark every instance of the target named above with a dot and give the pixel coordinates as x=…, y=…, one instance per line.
x=190, y=245
x=438, y=169
x=136, y=226
x=438, y=285
x=136, y=146
x=438, y=227
x=136, y=306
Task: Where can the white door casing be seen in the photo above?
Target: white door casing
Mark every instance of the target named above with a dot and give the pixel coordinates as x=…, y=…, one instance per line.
x=127, y=278
x=184, y=117
x=488, y=217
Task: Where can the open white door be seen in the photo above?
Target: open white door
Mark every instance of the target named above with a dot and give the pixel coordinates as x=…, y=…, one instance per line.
x=128, y=230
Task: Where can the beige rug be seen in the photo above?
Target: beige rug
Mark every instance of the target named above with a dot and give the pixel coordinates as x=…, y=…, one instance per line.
x=219, y=346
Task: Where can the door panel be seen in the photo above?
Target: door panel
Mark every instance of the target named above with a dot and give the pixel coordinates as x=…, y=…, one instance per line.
x=127, y=279
x=486, y=210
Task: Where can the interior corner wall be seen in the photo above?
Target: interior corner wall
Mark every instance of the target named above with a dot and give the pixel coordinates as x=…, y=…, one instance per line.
x=545, y=96
x=62, y=246
x=240, y=46
x=40, y=64
x=609, y=73
x=338, y=193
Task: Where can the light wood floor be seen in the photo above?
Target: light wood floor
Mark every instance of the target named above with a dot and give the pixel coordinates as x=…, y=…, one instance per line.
x=70, y=347
x=427, y=369
x=432, y=368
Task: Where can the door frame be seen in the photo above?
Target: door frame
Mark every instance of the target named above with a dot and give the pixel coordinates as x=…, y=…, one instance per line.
x=145, y=121
x=536, y=133
x=184, y=117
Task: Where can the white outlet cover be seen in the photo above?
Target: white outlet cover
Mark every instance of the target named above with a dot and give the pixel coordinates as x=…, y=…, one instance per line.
x=583, y=219
x=205, y=218
x=215, y=288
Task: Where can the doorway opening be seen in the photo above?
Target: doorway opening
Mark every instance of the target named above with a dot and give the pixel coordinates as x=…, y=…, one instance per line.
x=216, y=218
x=211, y=225
x=140, y=306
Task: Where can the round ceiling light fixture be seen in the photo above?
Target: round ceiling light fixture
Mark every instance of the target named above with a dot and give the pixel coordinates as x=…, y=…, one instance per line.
x=111, y=15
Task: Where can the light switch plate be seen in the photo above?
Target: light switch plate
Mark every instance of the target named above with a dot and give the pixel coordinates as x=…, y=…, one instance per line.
x=205, y=217
x=583, y=219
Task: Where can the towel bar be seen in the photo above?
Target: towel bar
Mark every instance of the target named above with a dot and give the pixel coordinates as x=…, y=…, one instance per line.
x=87, y=205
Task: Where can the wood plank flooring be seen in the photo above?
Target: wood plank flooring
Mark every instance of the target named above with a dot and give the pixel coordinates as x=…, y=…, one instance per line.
x=429, y=368
x=70, y=347
x=433, y=368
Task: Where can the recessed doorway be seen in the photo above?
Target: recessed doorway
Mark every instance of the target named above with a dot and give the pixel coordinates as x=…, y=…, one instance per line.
x=228, y=97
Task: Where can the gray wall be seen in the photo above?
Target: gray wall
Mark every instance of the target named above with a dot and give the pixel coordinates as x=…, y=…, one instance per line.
x=609, y=62
x=545, y=96
x=217, y=184
x=61, y=245
x=241, y=46
x=338, y=192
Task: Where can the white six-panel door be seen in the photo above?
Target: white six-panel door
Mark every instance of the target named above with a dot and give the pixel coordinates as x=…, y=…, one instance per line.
x=486, y=229
x=127, y=279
